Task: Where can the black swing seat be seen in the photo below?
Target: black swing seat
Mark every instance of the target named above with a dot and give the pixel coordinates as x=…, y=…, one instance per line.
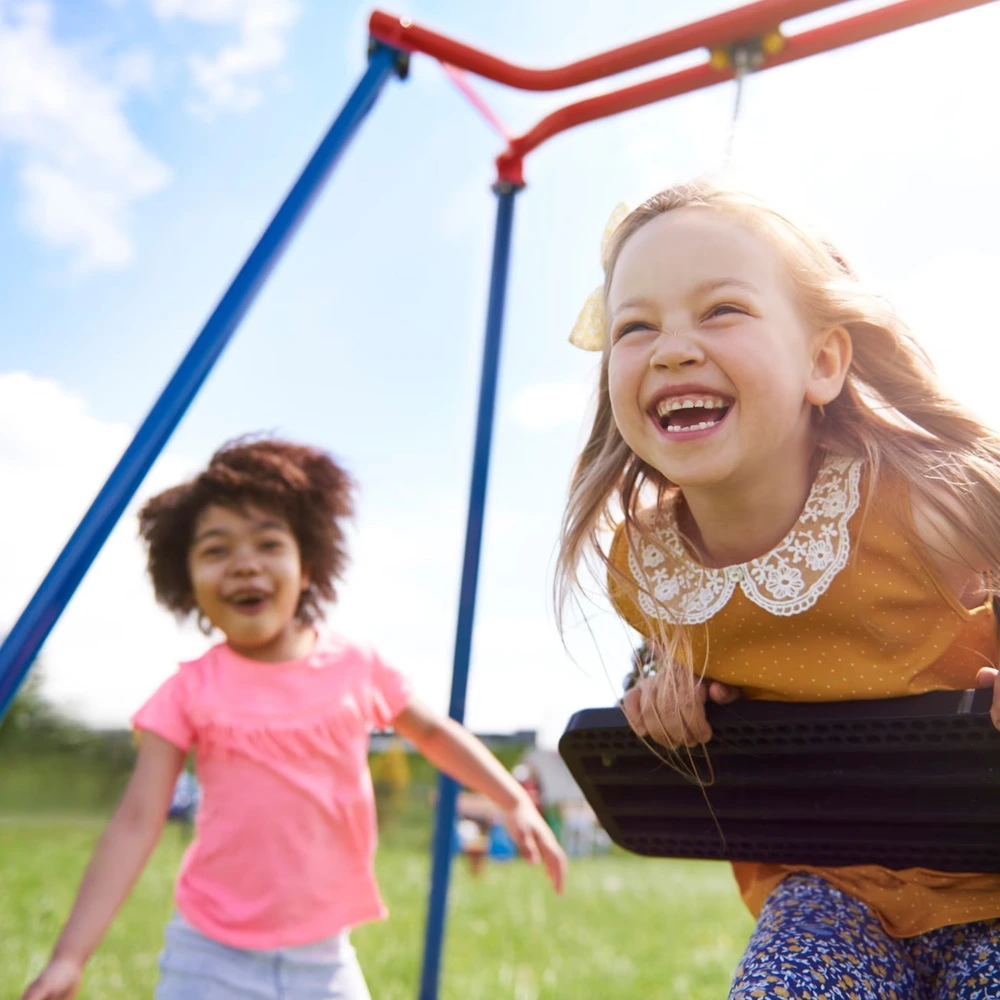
x=902, y=783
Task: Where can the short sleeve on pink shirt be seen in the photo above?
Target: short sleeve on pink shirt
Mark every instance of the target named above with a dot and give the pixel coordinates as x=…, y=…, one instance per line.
x=390, y=693
x=165, y=714
x=286, y=831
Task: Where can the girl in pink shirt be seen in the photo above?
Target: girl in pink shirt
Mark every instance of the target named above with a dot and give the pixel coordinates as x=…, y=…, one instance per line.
x=278, y=716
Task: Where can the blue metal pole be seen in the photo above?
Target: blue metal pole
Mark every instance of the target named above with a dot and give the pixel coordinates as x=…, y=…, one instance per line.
x=448, y=789
x=25, y=639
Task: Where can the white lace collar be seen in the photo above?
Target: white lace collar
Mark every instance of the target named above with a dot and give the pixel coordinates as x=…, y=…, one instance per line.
x=786, y=581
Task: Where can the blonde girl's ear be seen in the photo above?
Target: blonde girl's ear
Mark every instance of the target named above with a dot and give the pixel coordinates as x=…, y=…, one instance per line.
x=832, y=354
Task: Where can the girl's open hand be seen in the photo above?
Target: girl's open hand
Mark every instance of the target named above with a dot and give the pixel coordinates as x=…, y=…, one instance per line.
x=987, y=678
x=536, y=841
x=59, y=981
x=652, y=710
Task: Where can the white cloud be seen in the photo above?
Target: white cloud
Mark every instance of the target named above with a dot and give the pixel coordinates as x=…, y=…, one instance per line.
x=81, y=167
x=227, y=79
x=545, y=406
x=113, y=645
x=62, y=209
x=135, y=70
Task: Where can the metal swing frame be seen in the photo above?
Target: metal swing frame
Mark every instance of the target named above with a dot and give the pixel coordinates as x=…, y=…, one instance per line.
x=727, y=36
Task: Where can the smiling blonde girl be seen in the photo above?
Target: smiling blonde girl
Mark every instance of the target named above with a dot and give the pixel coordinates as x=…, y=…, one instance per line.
x=802, y=515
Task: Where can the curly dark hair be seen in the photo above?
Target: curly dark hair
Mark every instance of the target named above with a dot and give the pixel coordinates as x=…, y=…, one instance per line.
x=302, y=485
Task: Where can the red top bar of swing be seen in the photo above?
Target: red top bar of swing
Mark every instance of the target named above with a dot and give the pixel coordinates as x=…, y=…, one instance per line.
x=723, y=29
x=762, y=16
x=809, y=43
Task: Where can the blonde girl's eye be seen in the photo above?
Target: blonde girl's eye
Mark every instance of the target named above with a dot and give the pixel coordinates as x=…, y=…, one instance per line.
x=631, y=327
x=725, y=309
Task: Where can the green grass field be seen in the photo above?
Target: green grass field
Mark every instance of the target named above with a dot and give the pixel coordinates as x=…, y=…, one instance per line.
x=626, y=928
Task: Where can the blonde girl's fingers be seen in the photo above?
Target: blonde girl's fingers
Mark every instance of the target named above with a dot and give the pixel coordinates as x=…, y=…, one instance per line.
x=987, y=677
x=668, y=723
x=692, y=723
x=651, y=709
x=700, y=728
x=632, y=707
x=660, y=713
x=722, y=694
x=673, y=728
x=656, y=722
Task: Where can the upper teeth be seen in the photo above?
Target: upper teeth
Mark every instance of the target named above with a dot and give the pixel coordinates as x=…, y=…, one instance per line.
x=666, y=406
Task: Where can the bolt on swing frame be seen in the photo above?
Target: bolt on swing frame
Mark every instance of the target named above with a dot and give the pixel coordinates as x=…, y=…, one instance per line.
x=392, y=41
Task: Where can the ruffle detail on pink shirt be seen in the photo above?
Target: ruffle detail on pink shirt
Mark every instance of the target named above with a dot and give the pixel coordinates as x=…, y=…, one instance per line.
x=338, y=728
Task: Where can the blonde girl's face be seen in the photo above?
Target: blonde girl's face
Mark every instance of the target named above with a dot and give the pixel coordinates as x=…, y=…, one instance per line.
x=711, y=366
x=246, y=574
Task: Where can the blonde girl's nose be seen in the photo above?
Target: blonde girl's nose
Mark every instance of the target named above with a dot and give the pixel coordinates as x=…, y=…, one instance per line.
x=674, y=348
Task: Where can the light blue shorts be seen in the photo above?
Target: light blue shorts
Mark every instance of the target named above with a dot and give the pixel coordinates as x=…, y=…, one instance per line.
x=194, y=967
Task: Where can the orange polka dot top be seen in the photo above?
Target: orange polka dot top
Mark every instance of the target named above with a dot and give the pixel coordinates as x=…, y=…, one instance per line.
x=847, y=606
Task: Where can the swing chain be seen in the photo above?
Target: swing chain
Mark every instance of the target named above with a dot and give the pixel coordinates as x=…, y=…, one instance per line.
x=743, y=58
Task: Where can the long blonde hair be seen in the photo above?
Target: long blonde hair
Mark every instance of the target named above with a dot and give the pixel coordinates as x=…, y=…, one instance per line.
x=892, y=412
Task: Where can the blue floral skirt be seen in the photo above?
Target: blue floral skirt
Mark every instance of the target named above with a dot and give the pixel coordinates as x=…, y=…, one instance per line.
x=814, y=942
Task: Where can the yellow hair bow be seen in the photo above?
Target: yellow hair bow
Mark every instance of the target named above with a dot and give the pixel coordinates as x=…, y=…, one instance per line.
x=590, y=329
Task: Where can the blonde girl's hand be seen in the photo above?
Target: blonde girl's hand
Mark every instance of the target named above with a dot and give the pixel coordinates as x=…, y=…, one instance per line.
x=60, y=980
x=987, y=678
x=653, y=710
x=536, y=841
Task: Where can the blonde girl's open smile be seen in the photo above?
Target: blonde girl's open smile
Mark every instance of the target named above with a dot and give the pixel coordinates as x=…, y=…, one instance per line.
x=689, y=412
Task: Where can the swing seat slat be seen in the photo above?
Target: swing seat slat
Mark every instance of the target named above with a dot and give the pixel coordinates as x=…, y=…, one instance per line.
x=902, y=783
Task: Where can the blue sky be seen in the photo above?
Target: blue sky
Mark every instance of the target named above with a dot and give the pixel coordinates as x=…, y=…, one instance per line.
x=144, y=144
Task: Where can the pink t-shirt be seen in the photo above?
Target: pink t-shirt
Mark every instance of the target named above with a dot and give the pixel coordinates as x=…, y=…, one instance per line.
x=285, y=837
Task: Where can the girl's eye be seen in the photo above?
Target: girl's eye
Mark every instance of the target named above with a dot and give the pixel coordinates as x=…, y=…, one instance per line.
x=632, y=327
x=213, y=551
x=270, y=544
x=724, y=309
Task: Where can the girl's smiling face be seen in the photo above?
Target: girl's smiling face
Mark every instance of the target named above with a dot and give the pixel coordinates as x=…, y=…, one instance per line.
x=712, y=369
x=246, y=575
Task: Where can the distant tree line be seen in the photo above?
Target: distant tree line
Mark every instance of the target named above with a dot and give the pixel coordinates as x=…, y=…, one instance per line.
x=37, y=732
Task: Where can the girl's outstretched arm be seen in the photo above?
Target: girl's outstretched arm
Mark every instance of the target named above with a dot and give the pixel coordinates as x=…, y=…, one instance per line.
x=118, y=860
x=454, y=750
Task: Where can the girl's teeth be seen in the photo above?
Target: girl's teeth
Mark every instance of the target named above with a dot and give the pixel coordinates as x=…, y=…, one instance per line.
x=704, y=425
x=668, y=406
